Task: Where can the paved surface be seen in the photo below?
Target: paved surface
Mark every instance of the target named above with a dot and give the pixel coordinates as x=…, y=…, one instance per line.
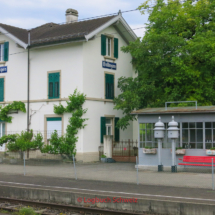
x=110, y=188
x=116, y=172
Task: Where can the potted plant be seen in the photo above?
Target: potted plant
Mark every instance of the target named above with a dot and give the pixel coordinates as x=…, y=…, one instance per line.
x=179, y=151
x=13, y=160
x=103, y=159
x=210, y=151
x=149, y=150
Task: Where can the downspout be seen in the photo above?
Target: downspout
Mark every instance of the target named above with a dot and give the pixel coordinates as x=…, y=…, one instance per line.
x=28, y=81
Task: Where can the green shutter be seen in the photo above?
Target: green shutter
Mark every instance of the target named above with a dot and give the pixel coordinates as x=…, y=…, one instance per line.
x=1, y=89
x=103, y=128
x=109, y=86
x=116, y=48
x=54, y=85
x=103, y=45
x=54, y=119
x=6, y=51
x=116, y=130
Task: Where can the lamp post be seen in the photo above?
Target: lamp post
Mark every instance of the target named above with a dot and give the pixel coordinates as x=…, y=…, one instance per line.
x=173, y=134
x=159, y=134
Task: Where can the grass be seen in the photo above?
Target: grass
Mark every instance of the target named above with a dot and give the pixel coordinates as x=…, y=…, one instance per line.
x=27, y=211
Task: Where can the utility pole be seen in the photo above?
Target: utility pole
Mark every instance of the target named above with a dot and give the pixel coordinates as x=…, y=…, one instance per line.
x=28, y=83
x=28, y=79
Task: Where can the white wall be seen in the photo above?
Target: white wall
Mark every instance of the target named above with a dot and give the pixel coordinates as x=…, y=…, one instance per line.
x=94, y=86
x=67, y=58
x=93, y=71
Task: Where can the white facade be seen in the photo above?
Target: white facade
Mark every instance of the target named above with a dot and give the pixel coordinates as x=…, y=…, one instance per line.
x=80, y=66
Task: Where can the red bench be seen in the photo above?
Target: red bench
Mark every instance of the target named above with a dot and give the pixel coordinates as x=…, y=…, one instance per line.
x=197, y=161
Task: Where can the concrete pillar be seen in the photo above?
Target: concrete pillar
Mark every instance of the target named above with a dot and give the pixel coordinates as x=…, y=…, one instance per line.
x=108, y=145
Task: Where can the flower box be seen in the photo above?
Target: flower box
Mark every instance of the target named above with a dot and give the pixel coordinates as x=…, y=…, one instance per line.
x=180, y=151
x=149, y=151
x=210, y=152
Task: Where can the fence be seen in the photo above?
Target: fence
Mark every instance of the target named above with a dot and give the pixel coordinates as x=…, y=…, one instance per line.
x=125, y=151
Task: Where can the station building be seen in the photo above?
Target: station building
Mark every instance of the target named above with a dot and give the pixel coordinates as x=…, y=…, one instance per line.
x=196, y=132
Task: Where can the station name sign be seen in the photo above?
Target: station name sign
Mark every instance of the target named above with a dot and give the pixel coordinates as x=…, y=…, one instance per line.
x=3, y=69
x=108, y=65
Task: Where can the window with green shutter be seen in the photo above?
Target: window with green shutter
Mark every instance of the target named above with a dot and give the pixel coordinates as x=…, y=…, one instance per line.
x=1, y=89
x=6, y=51
x=109, y=86
x=102, y=128
x=116, y=48
x=54, y=86
x=117, y=137
x=103, y=45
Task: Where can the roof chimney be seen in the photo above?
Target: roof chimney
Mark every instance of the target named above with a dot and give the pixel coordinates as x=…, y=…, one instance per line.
x=71, y=15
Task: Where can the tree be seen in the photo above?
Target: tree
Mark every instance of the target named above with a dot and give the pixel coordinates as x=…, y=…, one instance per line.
x=66, y=144
x=175, y=60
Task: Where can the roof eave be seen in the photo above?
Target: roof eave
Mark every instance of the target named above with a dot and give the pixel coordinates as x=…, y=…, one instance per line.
x=12, y=37
x=59, y=42
x=162, y=113
x=109, y=23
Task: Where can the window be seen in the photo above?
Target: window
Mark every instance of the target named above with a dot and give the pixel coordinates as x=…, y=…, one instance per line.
x=107, y=125
x=192, y=135
x=2, y=133
x=209, y=135
x=54, y=85
x=1, y=52
x=109, y=46
x=1, y=89
x=4, y=51
x=109, y=86
x=53, y=123
x=147, y=136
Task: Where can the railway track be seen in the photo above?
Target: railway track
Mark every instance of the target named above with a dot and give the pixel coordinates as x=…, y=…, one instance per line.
x=45, y=208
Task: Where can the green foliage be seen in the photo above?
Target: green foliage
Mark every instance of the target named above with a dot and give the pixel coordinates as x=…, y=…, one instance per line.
x=175, y=60
x=178, y=148
x=103, y=156
x=66, y=144
x=23, y=142
x=14, y=106
x=213, y=148
x=27, y=211
x=148, y=147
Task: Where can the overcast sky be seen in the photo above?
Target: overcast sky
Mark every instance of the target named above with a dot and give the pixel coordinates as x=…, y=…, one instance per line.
x=31, y=13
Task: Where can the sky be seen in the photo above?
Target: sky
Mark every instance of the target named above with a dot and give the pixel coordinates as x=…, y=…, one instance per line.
x=32, y=13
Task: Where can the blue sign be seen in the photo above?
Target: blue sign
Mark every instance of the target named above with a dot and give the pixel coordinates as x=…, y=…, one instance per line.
x=108, y=65
x=3, y=69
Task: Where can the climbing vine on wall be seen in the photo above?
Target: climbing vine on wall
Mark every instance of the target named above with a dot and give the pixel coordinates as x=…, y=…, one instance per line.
x=4, y=111
x=66, y=144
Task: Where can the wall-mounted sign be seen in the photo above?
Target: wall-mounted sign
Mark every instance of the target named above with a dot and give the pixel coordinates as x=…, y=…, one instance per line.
x=3, y=69
x=108, y=65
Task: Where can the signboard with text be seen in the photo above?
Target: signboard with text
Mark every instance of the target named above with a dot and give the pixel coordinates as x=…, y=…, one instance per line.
x=108, y=65
x=3, y=69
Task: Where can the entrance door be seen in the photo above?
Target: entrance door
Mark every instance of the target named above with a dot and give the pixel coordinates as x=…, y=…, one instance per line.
x=54, y=124
x=108, y=126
